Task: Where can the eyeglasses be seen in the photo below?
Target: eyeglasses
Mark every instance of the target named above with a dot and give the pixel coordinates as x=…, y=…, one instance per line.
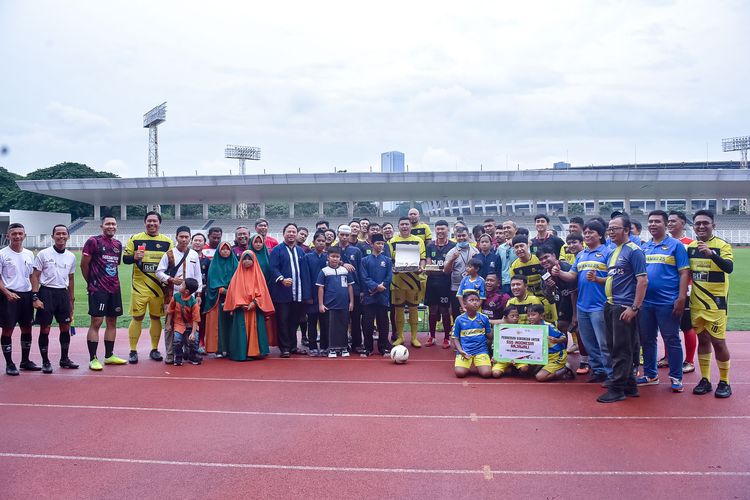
x=612, y=229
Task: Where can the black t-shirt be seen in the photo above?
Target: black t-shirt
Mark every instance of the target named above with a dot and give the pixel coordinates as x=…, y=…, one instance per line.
x=437, y=255
x=550, y=241
x=561, y=294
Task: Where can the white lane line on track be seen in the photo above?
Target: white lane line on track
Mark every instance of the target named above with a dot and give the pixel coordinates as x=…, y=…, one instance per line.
x=320, y=468
x=487, y=383
x=471, y=417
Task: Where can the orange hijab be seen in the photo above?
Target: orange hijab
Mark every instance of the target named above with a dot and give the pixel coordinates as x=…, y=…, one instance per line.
x=248, y=285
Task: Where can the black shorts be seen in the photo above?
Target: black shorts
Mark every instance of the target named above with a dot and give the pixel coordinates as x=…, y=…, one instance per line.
x=105, y=304
x=686, y=323
x=17, y=312
x=56, y=305
x=438, y=295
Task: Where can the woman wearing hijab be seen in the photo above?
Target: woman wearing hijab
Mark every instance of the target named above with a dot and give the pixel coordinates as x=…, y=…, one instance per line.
x=262, y=255
x=218, y=322
x=249, y=301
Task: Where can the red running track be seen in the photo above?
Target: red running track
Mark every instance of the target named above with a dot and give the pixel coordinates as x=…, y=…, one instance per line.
x=362, y=427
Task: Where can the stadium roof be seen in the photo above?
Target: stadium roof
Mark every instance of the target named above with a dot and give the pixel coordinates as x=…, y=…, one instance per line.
x=549, y=184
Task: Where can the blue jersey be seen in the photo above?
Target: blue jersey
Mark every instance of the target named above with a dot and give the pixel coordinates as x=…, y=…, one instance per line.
x=376, y=269
x=555, y=334
x=472, y=333
x=352, y=255
x=315, y=263
x=468, y=284
x=489, y=263
x=335, y=283
x=624, y=264
x=591, y=296
x=664, y=261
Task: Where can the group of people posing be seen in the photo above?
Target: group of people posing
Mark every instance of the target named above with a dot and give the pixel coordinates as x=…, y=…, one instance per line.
x=603, y=287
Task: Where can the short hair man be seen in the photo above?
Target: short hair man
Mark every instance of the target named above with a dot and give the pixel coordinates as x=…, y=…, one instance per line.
x=261, y=227
x=101, y=257
x=53, y=294
x=711, y=261
x=16, y=265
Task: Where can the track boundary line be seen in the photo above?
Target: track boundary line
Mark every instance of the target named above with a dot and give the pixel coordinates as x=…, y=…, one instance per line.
x=484, y=471
x=472, y=417
x=464, y=382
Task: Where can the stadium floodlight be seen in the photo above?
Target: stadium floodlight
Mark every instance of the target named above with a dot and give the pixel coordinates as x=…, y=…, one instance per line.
x=151, y=121
x=242, y=153
x=741, y=144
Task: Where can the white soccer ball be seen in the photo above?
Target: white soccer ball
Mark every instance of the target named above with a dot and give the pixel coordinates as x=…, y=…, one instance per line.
x=400, y=354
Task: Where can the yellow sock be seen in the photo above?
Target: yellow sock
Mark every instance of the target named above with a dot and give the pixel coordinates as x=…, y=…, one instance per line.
x=704, y=360
x=134, y=333
x=723, y=370
x=155, y=332
x=400, y=321
x=413, y=320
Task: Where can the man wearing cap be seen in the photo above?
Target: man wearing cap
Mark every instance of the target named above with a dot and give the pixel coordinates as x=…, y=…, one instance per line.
x=175, y=266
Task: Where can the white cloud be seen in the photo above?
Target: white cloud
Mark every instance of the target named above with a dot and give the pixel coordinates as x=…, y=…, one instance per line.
x=333, y=84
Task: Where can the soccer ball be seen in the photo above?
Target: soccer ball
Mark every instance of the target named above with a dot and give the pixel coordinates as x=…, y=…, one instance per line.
x=400, y=354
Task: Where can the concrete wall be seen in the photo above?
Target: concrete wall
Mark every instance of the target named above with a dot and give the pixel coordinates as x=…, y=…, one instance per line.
x=38, y=225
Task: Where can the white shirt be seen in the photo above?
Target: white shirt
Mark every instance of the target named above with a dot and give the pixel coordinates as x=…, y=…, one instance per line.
x=190, y=269
x=55, y=267
x=16, y=268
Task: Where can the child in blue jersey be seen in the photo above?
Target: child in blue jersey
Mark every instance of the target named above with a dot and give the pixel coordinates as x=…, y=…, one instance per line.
x=556, y=340
x=470, y=332
x=511, y=316
x=335, y=302
x=472, y=281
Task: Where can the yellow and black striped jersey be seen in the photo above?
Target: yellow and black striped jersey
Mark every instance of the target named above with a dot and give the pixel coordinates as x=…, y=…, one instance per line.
x=145, y=281
x=422, y=230
x=406, y=281
x=533, y=271
x=710, y=283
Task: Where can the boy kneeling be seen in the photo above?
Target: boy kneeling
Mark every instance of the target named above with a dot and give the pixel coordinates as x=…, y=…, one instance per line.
x=557, y=354
x=470, y=332
x=184, y=315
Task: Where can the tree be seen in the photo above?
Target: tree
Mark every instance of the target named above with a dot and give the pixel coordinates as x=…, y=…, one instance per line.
x=575, y=209
x=13, y=197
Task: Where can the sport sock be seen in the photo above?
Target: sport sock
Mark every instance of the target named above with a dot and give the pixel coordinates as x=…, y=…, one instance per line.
x=447, y=323
x=64, y=344
x=155, y=332
x=109, y=347
x=704, y=360
x=134, y=333
x=6, y=342
x=44, y=347
x=92, y=345
x=25, y=347
x=691, y=343
x=723, y=370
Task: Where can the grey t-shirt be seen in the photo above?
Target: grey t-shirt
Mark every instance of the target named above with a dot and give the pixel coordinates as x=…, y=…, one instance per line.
x=460, y=264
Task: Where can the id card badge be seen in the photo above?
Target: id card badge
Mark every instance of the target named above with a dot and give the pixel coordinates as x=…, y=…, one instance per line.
x=344, y=284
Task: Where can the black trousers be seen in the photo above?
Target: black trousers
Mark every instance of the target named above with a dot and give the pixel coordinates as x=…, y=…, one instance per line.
x=356, y=323
x=624, y=345
x=338, y=325
x=287, y=320
x=315, y=321
x=372, y=313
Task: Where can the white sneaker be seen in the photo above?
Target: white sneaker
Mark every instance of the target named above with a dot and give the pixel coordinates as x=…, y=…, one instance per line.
x=344, y=353
x=331, y=353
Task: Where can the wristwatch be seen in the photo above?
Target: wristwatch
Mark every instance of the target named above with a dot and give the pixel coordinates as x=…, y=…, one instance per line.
x=635, y=308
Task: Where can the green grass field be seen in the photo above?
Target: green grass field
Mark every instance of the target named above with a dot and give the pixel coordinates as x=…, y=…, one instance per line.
x=739, y=295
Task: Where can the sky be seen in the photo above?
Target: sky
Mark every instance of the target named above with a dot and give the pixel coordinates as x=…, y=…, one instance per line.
x=324, y=86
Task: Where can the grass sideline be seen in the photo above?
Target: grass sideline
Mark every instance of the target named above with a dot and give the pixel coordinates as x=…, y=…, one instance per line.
x=739, y=294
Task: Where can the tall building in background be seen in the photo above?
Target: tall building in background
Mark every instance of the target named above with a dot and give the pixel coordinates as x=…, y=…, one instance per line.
x=392, y=161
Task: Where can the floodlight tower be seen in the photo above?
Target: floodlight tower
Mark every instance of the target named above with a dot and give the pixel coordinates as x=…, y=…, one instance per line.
x=151, y=121
x=242, y=153
x=741, y=144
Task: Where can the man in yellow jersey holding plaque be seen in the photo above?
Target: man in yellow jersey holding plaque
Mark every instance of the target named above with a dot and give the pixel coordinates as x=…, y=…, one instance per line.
x=407, y=282
x=711, y=261
x=144, y=251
